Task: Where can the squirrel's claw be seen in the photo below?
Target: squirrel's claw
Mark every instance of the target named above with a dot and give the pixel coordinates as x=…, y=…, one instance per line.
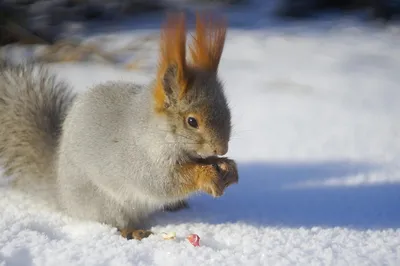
x=229, y=173
x=223, y=174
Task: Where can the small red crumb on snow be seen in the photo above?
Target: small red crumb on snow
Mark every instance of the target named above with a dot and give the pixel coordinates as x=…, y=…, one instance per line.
x=194, y=240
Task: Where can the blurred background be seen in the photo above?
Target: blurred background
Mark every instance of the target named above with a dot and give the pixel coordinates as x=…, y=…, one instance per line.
x=58, y=26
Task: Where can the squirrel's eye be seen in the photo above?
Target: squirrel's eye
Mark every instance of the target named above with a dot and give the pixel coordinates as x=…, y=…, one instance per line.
x=192, y=122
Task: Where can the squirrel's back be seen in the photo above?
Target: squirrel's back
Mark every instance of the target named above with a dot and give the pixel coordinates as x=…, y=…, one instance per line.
x=33, y=104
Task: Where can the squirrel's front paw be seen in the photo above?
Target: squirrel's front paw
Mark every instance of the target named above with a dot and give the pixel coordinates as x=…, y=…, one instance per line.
x=218, y=175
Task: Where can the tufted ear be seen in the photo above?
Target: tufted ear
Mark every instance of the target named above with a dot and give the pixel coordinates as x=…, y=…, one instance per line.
x=172, y=69
x=208, y=42
x=171, y=86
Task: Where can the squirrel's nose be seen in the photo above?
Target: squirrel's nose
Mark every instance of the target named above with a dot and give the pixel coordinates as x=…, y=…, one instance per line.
x=221, y=149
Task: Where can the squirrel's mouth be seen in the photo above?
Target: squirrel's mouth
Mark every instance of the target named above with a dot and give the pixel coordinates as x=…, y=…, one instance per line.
x=194, y=156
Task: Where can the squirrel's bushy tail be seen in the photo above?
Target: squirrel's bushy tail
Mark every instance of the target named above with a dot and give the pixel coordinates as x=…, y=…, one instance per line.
x=33, y=105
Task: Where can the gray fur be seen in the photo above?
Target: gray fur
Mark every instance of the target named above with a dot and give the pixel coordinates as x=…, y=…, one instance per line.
x=33, y=104
x=115, y=159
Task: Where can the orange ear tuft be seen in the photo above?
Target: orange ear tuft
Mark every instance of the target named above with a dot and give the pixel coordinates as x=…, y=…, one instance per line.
x=208, y=43
x=172, y=52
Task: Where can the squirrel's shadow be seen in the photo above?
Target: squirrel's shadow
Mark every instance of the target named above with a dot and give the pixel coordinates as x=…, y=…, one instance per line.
x=264, y=197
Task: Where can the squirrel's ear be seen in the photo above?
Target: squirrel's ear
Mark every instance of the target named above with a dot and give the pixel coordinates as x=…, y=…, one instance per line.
x=208, y=42
x=172, y=69
x=171, y=85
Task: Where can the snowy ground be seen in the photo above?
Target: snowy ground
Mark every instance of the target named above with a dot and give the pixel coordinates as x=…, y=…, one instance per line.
x=317, y=139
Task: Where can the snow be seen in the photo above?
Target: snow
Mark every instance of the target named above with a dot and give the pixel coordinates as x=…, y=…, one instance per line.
x=316, y=137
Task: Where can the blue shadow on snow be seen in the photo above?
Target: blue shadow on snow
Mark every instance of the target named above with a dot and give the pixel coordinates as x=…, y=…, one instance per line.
x=262, y=197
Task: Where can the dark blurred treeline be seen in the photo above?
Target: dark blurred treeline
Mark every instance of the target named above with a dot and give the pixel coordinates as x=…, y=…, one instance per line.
x=377, y=9
x=40, y=21
x=36, y=21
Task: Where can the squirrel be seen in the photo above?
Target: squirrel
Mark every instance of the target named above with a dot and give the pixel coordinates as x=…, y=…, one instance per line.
x=119, y=151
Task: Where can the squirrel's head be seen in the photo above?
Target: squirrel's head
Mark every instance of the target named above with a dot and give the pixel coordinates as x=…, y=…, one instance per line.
x=190, y=96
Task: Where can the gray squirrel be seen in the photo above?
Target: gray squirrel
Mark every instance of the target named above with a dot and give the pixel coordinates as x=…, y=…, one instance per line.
x=119, y=152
